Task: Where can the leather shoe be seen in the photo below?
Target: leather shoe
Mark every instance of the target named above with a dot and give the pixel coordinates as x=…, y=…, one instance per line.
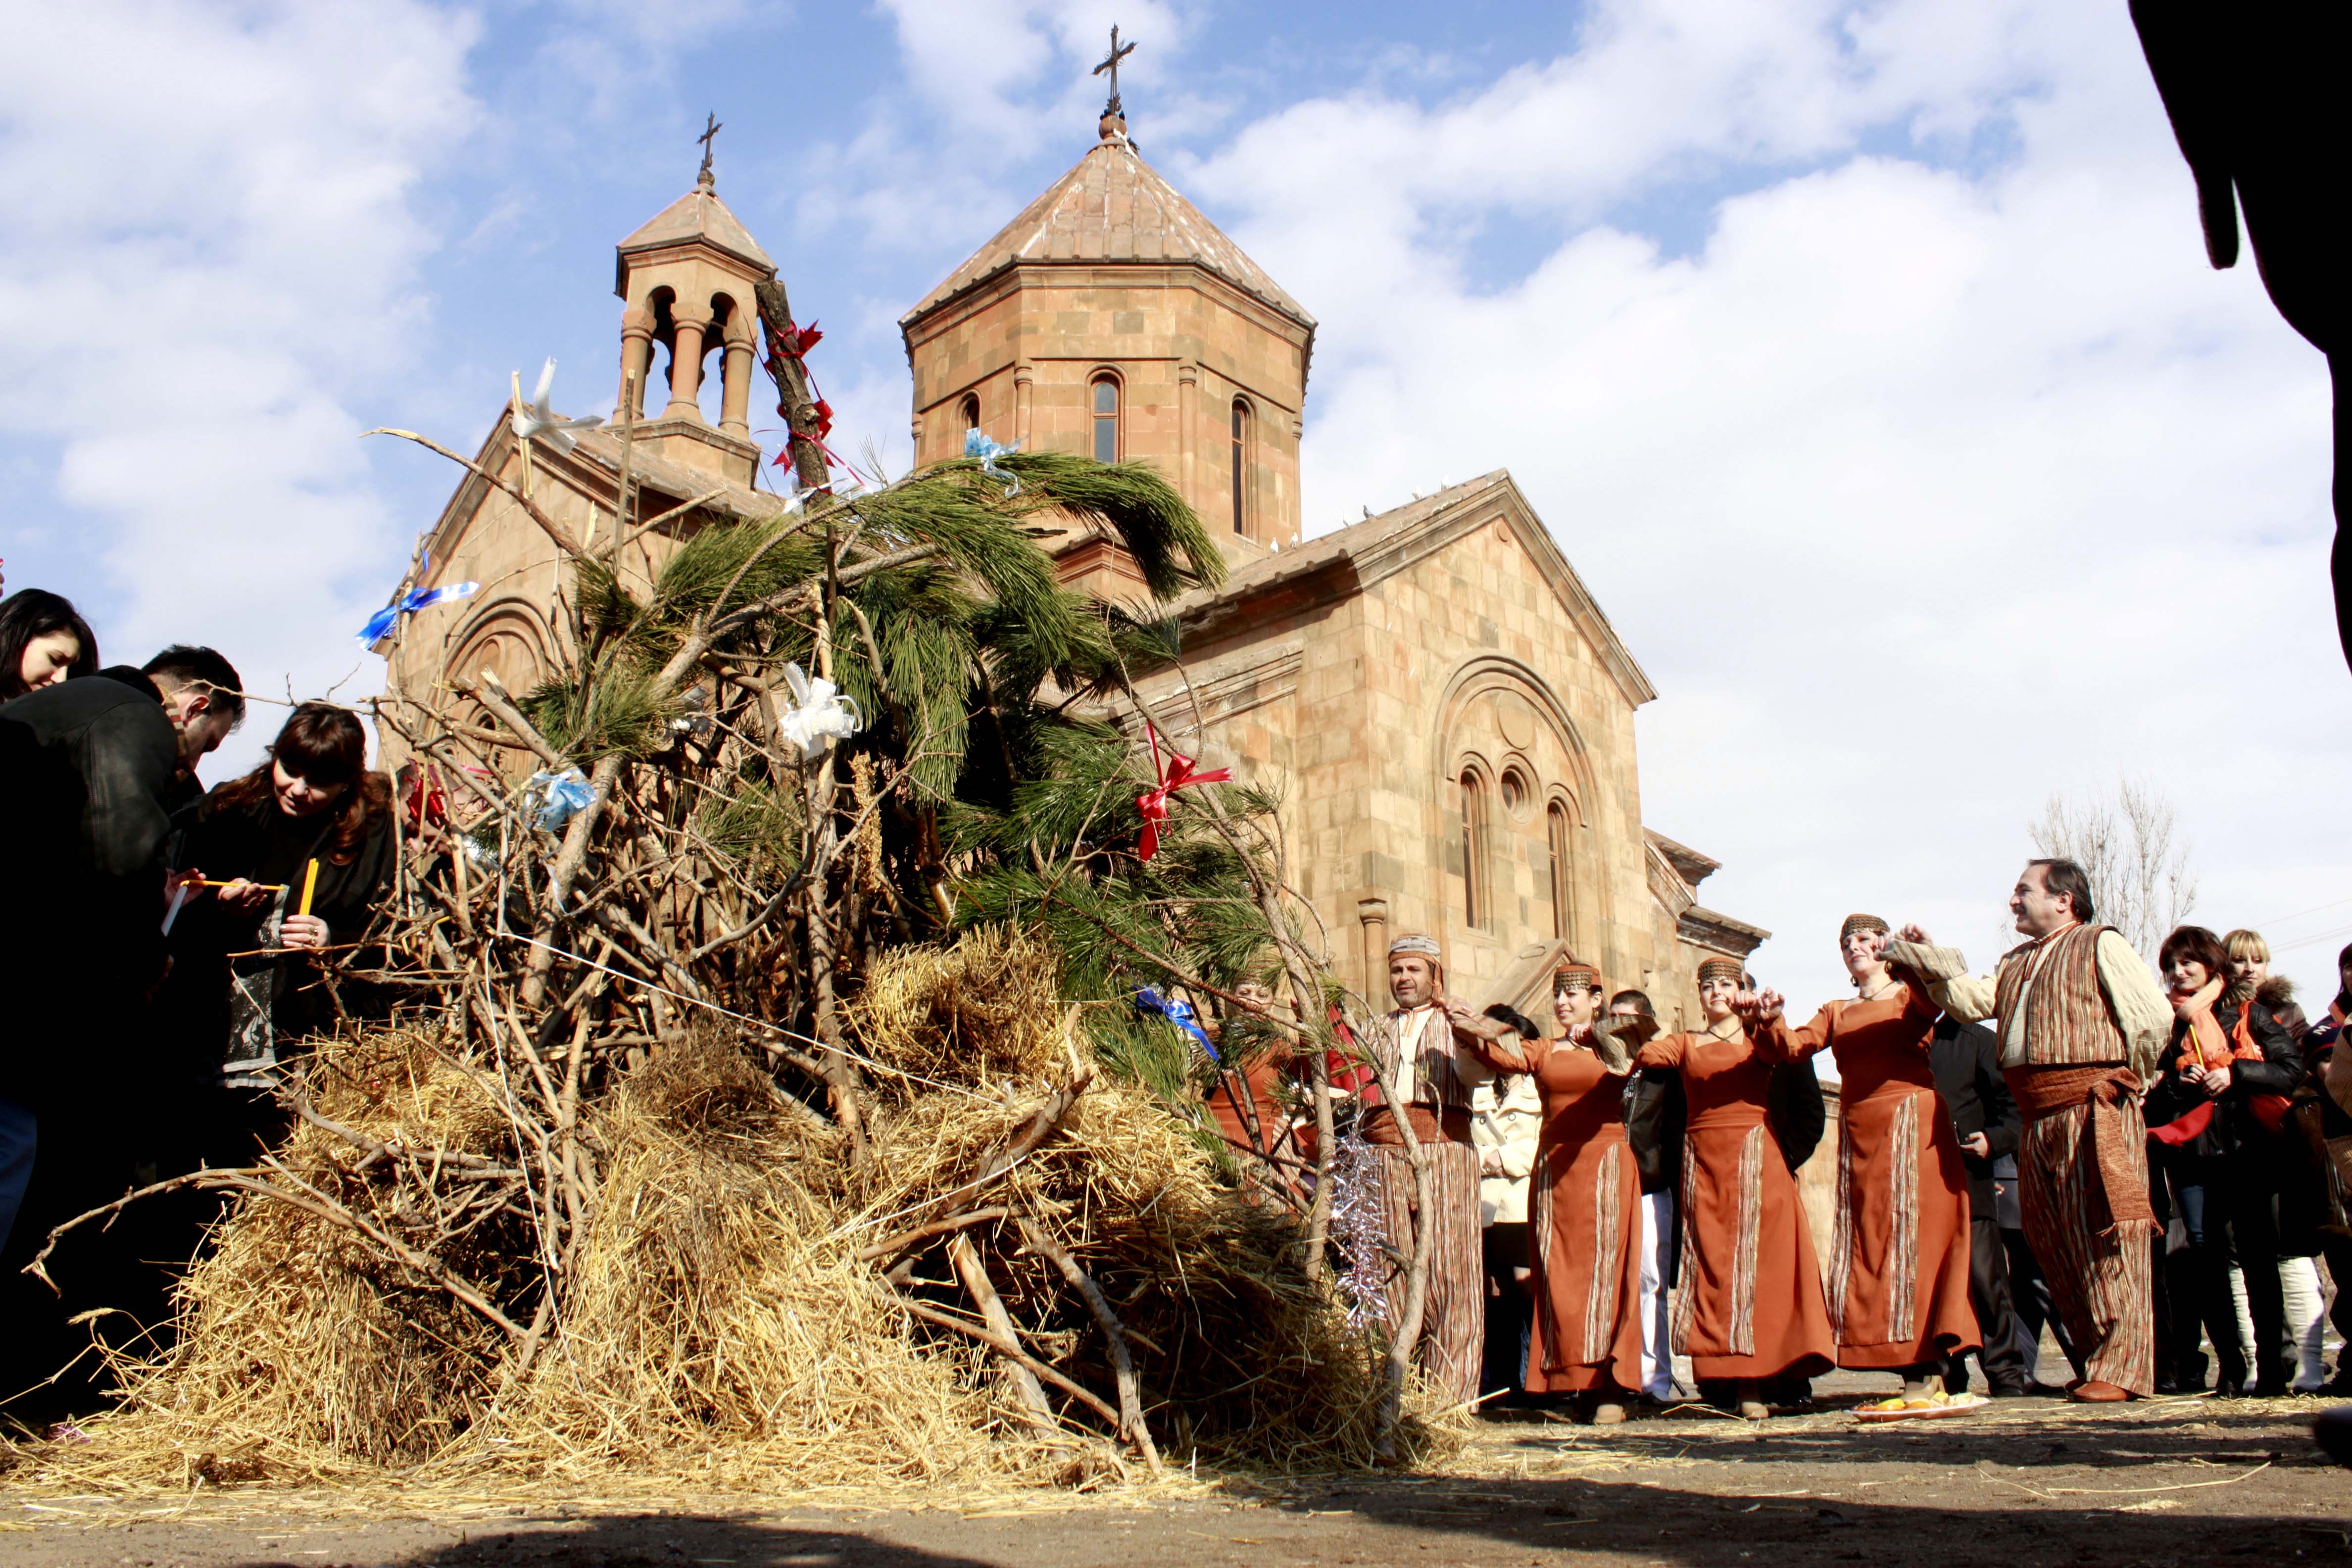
x=2093, y=1391
x=2010, y=1391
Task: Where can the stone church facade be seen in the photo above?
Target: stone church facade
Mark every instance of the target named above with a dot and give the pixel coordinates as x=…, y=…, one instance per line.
x=1444, y=710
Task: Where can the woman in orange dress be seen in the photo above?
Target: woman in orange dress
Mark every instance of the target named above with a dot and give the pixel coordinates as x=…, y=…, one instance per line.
x=1748, y=1308
x=1584, y=1204
x=1897, y=1281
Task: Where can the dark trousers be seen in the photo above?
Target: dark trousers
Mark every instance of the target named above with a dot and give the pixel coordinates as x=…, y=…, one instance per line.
x=2032, y=1306
x=1510, y=1316
x=2226, y=1210
x=2002, y=1361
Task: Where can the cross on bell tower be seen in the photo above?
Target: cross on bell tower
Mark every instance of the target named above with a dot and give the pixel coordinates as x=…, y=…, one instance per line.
x=705, y=180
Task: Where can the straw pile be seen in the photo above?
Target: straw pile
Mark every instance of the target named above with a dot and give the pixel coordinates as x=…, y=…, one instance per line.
x=721, y=1326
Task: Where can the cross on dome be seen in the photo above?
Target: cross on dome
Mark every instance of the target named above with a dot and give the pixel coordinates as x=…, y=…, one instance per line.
x=1110, y=64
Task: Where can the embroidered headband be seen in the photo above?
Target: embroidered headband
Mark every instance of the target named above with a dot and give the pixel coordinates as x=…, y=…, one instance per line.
x=1861, y=923
x=1576, y=977
x=1729, y=969
x=1426, y=945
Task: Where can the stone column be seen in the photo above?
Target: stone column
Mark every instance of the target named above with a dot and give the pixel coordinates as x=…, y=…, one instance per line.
x=686, y=366
x=735, y=383
x=636, y=361
x=1374, y=914
x=1024, y=378
x=1188, y=421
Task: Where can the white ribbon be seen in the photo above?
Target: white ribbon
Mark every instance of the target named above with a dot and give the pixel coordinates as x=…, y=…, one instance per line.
x=536, y=420
x=819, y=716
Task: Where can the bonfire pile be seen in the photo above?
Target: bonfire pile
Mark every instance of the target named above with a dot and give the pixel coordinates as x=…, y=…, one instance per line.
x=725, y=1094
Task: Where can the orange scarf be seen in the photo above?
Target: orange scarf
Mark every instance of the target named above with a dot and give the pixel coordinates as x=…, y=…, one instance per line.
x=2204, y=1044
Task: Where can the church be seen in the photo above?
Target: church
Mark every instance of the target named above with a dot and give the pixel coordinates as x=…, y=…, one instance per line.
x=1444, y=709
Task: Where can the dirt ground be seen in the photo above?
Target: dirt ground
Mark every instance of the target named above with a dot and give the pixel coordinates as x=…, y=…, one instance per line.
x=2024, y=1483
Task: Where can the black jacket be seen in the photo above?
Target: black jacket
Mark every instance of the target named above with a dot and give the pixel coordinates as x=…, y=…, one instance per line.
x=85, y=770
x=1655, y=1115
x=259, y=843
x=2233, y=1127
x=1966, y=1060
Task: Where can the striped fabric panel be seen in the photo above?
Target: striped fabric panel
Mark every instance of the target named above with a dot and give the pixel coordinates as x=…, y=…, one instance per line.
x=1601, y=1288
x=1686, y=1297
x=1903, y=1248
x=1751, y=1218
x=1841, y=1270
x=1539, y=1202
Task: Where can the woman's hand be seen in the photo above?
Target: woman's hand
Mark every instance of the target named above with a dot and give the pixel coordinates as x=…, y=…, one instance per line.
x=244, y=896
x=1977, y=1144
x=302, y=930
x=2216, y=1082
x=1490, y=1162
x=1914, y=935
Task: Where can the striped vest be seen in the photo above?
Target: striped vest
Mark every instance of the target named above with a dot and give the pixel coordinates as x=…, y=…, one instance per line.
x=2067, y=1019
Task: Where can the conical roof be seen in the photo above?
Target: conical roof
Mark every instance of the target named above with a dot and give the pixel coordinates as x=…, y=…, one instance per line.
x=698, y=214
x=1113, y=206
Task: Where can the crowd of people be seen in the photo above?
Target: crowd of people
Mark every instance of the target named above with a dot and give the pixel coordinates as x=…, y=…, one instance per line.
x=2145, y=1166
x=146, y=956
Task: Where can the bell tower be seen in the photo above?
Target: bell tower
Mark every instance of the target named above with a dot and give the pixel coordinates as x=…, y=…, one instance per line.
x=1110, y=317
x=686, y=278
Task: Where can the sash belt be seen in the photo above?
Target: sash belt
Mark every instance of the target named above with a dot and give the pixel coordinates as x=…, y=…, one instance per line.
x=2044, y=1091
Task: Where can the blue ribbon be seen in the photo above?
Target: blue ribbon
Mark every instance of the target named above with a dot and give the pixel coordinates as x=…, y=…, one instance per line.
x=976, y=444
x=1150, y=1001
x=565, y=795
x=408, y=603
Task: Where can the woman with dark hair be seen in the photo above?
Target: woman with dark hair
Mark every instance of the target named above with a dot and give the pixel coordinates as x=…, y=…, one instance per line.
x=1897, y=1281
x=43, y=641
x=1748, y=1310
x=1584, y=1201
x=313, y=804
x=2215, y=1114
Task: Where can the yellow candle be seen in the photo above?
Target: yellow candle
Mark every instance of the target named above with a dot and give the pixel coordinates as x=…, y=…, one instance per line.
x=309, y=886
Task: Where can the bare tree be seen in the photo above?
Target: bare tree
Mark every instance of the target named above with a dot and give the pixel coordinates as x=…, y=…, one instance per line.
x=2128, y=845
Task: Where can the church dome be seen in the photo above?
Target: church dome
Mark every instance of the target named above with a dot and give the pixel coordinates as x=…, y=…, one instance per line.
x=1112, y=207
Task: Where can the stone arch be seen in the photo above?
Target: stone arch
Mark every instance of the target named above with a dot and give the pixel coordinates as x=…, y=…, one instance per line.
x=1484, y=700
x=511, y=637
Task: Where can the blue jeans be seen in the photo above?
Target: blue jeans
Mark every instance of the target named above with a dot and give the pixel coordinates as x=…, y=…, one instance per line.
x=19, y=1136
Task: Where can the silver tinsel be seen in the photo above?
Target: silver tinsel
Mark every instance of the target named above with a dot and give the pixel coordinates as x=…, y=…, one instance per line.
x=1356, y=1226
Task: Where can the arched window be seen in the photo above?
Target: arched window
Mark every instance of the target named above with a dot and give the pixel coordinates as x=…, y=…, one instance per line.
x=1478, y=840
x=1106, y=399
x=1241, y=466
x=1563, y=873
x=967, y=418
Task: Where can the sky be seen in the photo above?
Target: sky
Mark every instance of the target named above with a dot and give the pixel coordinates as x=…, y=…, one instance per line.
x=1862, y=357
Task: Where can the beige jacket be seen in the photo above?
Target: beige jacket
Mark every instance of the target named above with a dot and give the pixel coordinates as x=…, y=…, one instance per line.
x=1508, y=1124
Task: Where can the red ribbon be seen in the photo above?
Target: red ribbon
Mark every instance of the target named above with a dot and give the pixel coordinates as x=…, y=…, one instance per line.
x=1175, y=772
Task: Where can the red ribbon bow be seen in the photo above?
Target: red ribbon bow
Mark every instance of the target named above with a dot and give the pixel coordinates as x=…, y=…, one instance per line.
x=1175, y=772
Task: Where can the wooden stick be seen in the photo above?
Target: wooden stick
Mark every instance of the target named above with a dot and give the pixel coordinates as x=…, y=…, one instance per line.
x=907, y=1238
x=1131, y=1394
x=547, y=525
x=982, y=1290
x=1014, y=1353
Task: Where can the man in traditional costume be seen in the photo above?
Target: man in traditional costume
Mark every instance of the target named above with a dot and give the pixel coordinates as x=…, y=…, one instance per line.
x=1434, y=1074
x=2082, y=1023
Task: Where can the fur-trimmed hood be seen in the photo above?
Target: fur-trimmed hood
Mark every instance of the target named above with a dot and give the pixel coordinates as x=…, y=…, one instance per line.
x=2275, y=992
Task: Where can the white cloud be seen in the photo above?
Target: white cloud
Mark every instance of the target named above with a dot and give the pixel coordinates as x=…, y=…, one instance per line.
x=210, y=245
x=1921, y=493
